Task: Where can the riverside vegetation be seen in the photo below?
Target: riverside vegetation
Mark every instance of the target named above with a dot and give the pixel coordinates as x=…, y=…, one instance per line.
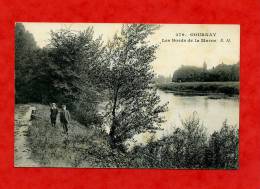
x=88, y=146
x=227, y=88
x=82, y=72
x=222, y=79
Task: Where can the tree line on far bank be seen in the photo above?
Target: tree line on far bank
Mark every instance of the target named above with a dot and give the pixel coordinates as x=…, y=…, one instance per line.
x=221, y=72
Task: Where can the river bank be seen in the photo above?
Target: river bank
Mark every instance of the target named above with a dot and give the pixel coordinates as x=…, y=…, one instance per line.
x=201, y=88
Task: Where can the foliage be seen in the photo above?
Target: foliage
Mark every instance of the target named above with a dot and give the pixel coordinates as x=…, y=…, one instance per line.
x=74, y=71
x=183, y=149
x=223, y=148
x=188, y=73
x=25, y=47
x=74, y=59
x=190, y=147
x=65, y=72
x=133, y=104
x=229, y=88
x=222, y=72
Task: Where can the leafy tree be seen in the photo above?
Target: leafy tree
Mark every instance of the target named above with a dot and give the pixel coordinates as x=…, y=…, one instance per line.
x=66, y=71
x=40, y=80
x=25, y=47
x=229, y=146
x=74, y=71
x=223, y=148
x=213, y=156
x=195, y=142
x=221, y=72
x=74, y=62
x=133, y=106
x=188, y=73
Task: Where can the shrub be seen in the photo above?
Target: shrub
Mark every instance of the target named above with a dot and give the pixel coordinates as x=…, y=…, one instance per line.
x=189, y=147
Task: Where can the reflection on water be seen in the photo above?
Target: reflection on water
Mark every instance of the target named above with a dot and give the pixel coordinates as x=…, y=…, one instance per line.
x=212, y=112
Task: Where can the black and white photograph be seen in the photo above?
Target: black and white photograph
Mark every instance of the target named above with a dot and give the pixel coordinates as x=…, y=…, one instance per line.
x=130, y=95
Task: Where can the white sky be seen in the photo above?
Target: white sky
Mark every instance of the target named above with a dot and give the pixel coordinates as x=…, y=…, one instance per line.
x=170, y=55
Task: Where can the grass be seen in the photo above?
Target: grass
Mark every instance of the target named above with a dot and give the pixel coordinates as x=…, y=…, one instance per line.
x=201, y=88
x=83, y=147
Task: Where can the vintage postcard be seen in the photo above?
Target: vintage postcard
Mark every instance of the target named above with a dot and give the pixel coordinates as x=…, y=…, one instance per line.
x=127, y=95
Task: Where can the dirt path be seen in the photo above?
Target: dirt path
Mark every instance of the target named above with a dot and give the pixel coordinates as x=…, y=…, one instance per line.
x=22, y=122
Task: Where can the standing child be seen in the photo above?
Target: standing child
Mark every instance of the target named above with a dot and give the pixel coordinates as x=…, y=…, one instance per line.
x=64, y=118
x=54, y=113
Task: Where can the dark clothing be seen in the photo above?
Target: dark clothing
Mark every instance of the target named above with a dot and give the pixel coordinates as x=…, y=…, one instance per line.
x=54, y=113
x=65, y=127
x=64, y=116
x=65, y=119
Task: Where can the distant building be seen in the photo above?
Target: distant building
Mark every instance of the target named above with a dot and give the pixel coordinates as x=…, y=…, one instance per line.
x=204, y=66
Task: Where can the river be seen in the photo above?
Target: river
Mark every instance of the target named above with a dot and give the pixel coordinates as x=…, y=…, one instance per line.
x=211, y=111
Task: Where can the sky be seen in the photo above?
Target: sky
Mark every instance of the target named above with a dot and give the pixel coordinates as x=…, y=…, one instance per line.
x=175, y=45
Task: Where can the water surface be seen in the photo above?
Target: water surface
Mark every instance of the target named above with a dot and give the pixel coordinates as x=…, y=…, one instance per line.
x=212, y=112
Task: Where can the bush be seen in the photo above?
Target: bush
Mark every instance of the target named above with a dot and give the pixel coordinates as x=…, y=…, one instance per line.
x=87, y=114
x=189, y=147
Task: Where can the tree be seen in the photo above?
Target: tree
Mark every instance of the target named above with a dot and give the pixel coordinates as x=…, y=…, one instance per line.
x=74, y=71
x=229, y=146
x=195, y=141
x=213, y=158
x=39, y=82
x=25, y=47
x=75, y=57
x=133, y=106
x=221, y=72
x=223, y=148
x=188, y=73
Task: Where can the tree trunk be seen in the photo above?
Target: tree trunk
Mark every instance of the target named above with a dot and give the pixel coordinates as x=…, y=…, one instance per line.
x=114, y=121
